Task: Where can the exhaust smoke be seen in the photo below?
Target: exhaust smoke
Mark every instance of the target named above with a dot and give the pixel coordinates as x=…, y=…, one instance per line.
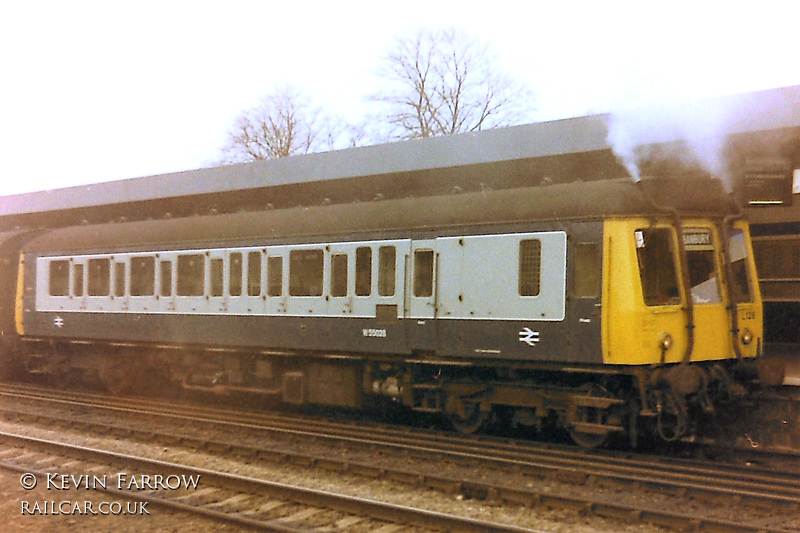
x=679, y=137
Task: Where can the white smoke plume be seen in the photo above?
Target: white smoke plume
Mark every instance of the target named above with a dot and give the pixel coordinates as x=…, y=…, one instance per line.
x=692, y=133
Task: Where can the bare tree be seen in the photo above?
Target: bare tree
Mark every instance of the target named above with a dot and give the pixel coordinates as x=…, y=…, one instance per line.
x=445, y=81
x=285, y=123
x=436, y=82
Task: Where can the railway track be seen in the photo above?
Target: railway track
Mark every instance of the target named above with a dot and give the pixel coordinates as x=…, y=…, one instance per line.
x=670, y=493
x=240, y=500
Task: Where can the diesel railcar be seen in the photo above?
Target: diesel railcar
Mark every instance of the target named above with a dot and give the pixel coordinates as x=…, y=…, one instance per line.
x=607, y=307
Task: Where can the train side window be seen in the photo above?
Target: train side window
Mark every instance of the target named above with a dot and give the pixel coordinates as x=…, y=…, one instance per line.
x=235, y=274
x=166, y=278
x=254, y=274
x=339, y=275
x=119, y=279
x=59, y=278
x=217, y=277
x=656, y=254
x=423, y=273
x=275, y=276
x=530, y=267
x=191, y=275
x=363, y=271
x=387, y=261
x=586, y=271
x=306, y=272
x=143, y=276
x=99, y=277
x=77, y=279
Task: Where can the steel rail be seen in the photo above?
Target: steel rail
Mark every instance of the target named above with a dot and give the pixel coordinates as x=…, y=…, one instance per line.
x=682, y=475
x=374, y=509
x=760, y=487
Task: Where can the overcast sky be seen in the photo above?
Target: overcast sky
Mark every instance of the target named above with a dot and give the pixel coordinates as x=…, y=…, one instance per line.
x=101, y=91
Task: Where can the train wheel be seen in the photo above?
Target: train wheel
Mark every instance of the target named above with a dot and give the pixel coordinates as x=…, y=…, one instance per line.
x=470, y=419
x=589, y=415
x=589, y=440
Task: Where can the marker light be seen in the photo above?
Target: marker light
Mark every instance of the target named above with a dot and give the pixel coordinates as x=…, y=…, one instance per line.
x=666, y=341
x=747, y=336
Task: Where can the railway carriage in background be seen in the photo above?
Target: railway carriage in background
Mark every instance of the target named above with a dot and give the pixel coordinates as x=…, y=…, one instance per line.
x=608, y=307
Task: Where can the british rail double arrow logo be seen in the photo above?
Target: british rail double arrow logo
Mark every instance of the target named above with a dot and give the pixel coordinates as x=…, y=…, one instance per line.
x=529, y=337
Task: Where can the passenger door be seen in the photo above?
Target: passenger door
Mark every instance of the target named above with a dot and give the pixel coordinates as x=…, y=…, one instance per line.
x=583, y=312
x=421, y=295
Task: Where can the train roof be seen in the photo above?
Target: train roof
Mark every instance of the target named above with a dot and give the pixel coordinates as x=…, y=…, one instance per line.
x=498, y=158
x=564, y=202
x=521, y=156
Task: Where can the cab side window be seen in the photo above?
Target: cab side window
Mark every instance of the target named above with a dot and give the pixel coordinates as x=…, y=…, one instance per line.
x=656, y=253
